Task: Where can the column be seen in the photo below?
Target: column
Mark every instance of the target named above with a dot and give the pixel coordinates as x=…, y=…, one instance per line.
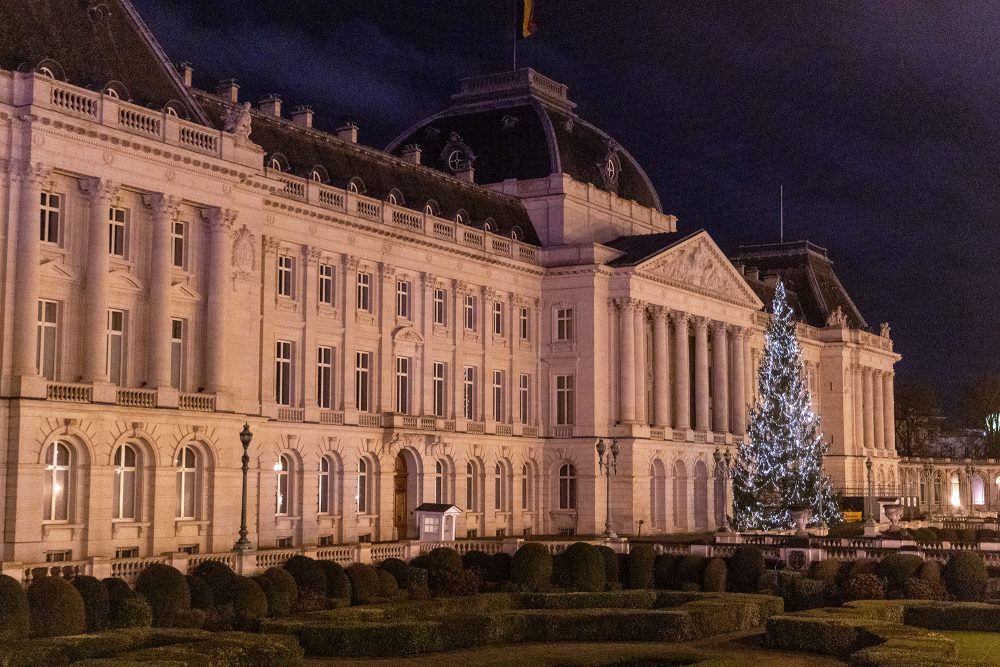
x=348, y=393
x=889, y=409
x=661, y=368
x=31, y=178
x=739, y=410
x=639, y=329
x=878, y=417
x=859, y=410
x=220, y=221
x=682, y=367
x=385, y=367
x=458, y=330
x=164, y=210
x=428, y=282
x=869, y=421
x=701, y=398
x=626, y=360
x=309, y=301
x=101, y=195
x=720, y=378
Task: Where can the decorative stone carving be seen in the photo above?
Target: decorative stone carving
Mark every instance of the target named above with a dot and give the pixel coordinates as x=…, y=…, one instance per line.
x=313, y=256
x=218, y=219
x=238, y=121
x=697, y=263
x=36, y=174
x=100, y=189
x=271, y=245
x=244, y=253
x=162, y=206
x=885, y=330
x=837, y=318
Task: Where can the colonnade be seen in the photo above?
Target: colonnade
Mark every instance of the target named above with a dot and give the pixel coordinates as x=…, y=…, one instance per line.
x=874, y=409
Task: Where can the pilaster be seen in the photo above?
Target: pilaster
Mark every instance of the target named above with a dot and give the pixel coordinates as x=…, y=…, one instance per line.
x=101, y=195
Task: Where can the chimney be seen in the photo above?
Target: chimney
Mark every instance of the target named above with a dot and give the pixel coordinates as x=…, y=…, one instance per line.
x=348, y=132
x=772, y=280
x=751, y=273
x=303, y=115
x=186, y=72
x=411, y=153
x=466, y=173
x=271, y=105
x=229, y=89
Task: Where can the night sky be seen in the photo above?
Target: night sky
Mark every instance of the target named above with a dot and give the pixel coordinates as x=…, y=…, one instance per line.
x=880, y=119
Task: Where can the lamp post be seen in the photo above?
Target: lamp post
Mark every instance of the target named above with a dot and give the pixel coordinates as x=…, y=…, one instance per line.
x=608, y=466
x=243, y=544
x=871, y=520
x=968, y=477
x=723, y=469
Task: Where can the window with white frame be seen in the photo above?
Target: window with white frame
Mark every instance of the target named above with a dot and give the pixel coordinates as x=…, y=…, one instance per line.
x=187, y=482
x=471, y=487
x=403, y=298
x=116, y=232
x=283, y=372
x=440, y=306
x=362, y=379
x=499, y=489
x=47, y=341
x=324, y=502
x=56, y=483
x=327, y=283
x=403, y=385
x=498, y=387
x=469, y=393
x=565, y=400
x=439, y=484
x=282, y=470
x=564, y=324
x=116, y=346
x=524, y=323
x=286, y=276
x=177, y=353
x=124, y=500
x=363, y=485
x=470, y=312
x=364, y=292
x=524, y=397
x=526, y=483
x=324, y=377
x=178, y=242
x=567, y=487
x=440, y=385
x=49, y=214
x=498, y=318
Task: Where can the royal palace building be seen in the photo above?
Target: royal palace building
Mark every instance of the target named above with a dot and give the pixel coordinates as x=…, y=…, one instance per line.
x=455, y=319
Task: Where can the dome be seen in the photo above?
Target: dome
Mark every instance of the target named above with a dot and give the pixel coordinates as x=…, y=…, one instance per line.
x=521, y=125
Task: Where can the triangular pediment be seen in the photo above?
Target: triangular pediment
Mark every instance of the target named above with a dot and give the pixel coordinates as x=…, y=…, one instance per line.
x=697, y=263
x=182, y=290
x=52, y=269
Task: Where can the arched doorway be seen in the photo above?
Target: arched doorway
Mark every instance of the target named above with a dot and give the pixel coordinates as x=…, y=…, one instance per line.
x=399, y=497
x=406, y=482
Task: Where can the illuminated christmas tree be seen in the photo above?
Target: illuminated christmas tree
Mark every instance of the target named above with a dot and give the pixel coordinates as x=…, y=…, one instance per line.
x=780, y=463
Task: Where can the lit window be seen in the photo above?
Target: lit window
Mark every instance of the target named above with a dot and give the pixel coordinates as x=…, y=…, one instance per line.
x=325, y=488
x=324, y=377
x=282, y=469
x=498, y=396
x=326, y=284
x=469, y=393
x=177, y=353
x=978, y=491
x=286, y=276
x=402, y=298
x=49, y=215
x=440, y=307
x=362, y=497
x=524, y=396
x=187, y=482
x=564, y=324
x=524, y=324
x=177, y=239
x=46, y=345
x=956, y=491
x=116, y=346
x=470, y=312
x=439, y=487
x=56, y=491
x=116, y=232
x=125, y=488
x=565, y=400
x=283, y=372
x=362, y=371
x=497, y=318
x=440, y=388
x=526, y=483
x=403, y=385
x=567, y=487
x=364, y=292
x=471, y=487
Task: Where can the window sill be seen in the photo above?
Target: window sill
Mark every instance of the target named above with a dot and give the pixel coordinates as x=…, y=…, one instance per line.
x=121, y=525
x=49, y=526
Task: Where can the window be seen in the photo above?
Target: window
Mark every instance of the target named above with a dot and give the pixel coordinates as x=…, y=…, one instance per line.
x=470, y=312
x=471, y=487
x=567, y=487
x=116, y=346
x=282, y=489
x=524, y=324
x=325, y=487
x=189, y=549
x=565, y=402
x=49, y=217
x=56, y=489
x=127, y=552
x=362, y=371
x=176, y=353
x=364, y=292
x=498, y=396
x=499, y=488
x=526, y=483
x=402, y=299
x=564, y=324
x=116, y=232
x=187, y=482
x=440, y=309
x=497, y=318
x=177, y=240
x=403, y=385
x=286, y=276
x=469, y=393
x=124, y=492
x=283, y=372
x=324, y=377
x=327, y=284
x=439, y=489
x=46, y=344
x=362, y=486
x=440, y=388
x=524, y=397
x=60, y=556
x=978, y=491
x=432, y=525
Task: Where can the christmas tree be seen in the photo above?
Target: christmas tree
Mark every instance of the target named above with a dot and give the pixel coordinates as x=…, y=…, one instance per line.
x=780, y=463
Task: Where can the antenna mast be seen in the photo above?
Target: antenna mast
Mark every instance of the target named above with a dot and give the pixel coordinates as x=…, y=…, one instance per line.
x=781, y=214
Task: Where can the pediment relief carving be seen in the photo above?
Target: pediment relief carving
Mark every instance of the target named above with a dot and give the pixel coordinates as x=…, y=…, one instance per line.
x=699, y=263
x=406, y=334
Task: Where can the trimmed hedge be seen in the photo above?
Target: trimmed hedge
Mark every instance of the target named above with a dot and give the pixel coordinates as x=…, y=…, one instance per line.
x=249, y=603
x=307, y=573
x=201, y=593
x=388, y=588
x=714, y=577
x=896, y=568
x=745, y=568
x=583, y=568
x=826, y=570
x=663, y=570
x=338, y=586
x=96, y=602
x=499, y=567
x=280, y=589
x=931, y=571
x=864, y=587
x=364, y=583
x=166, y=591
x=15, y=619
x=611, y=573
x=689, y=571
x=56, y=608
x=965, y=576
x=128, y=608
x=916, y=588
x=531, y=568
x=640, y=567
x=219, y=578
x=478, y=561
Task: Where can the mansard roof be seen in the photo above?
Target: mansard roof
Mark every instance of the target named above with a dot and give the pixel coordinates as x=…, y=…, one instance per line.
x=521, y=125
x=93, y=44
x=814, y=290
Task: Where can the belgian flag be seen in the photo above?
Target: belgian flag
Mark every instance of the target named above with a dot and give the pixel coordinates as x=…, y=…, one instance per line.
x=525, y=18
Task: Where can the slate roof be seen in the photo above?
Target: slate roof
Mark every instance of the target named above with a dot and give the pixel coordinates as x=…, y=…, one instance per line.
x=641, y=247
x=813, y=287
x=435, y=507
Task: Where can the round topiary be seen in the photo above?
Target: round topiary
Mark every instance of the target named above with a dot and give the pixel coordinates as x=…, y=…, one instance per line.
x=201, y=594
x=118, y=590
x=444, y=559
x=364, y=583
x=921, y=589
x=689, y=572
x=987, y=535
x=947, y=534
x=967, y=535
x=415, y=579
x=825, y=570
x=663, y=570
x=498, y=570
x=714, y=577
x=896, y=568
x=531, y=568
x=15, y=621
x=219, y=578
x=56, y=608
x=192, y=619
x=610, y=558
x=128, y=608
x=925, y=535
x=583, y=568
x=388, y=588
x=640, y=567
x=280, y=589
x=338, y=586
x=930, y=571
x=395, y=567
x=864, y=587
x=166, y=591
x=965, y=576
x=249, y=603
x=862, y=566
x=445, y=574
x=477, y=561
x=96, y=602
x=307, y=573
x=745, y=568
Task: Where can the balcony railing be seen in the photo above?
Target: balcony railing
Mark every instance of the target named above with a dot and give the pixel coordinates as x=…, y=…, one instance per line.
x=197, y=402
x=137, y=398
x=291, y=414
x=69, y=393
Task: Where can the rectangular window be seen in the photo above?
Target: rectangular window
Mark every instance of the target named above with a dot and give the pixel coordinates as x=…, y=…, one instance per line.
x=127, y=552
x=364, y=292
x=49, y=217
x=498, y=396
x=362, y=376
x=497, y=318
x=283, y=372
x=564, y=324
x=524, y=397
x=440, y=306
x=324, y=377
x=116, y=346
x=403, y=385
x=402, y=299
x=469, y=393
x=116, y=231
x=440, y=388
x=286, y=276
x=327, y=284
x=176, y=353
x=470, y=312
x=46, y=345
x=177, y=239
x=565, y=400
x=524, y=323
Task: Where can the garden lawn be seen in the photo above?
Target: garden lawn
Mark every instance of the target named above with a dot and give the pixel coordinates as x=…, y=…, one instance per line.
x=975, y=646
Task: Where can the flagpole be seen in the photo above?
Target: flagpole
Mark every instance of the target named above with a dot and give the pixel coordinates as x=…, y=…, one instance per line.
x=514, y=22
x=782, y=212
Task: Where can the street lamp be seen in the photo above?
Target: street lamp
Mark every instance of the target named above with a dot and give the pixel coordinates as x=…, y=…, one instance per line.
x=871, y=519
x=608, y=466
x=968, y=481
x=723, y=470
x=243, y=544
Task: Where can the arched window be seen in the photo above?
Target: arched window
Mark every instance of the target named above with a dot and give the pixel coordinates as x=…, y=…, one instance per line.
x=439, y=487
x=471, y=487
x=395, y=197
x=111, y=92
x=282, y=500
x=956, y=490
x=499, y=488
x=567, y=487
x=461, y=217
x=171, y=111
x=657, y=495
x=325, y=504
x=432, y=208
x=527, y=483
x=45, y=71
x=490, y=225
x=924, y=495
x=315, y=176
x=978, y=491
x=356, y=185
x=516, y=233
x=187, y=483
x=125, y=489
x=363, y=486
x=274, y=164
x=56, y=486
x=680, y=495
x=700, y=495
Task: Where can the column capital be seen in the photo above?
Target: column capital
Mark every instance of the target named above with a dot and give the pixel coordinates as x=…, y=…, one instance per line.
x=313, y=255
x=660, y=313
x=100, y=190
x=387, y=271
x=491, y=294
x=220, y=219
x=628, y=303
x=351, y=263
x=36, y=174
x=736, y=331
x=163, y=206
x=428, y=279
x=270, y=245
x=720, y=326
x=680, y=317
x=700, y=322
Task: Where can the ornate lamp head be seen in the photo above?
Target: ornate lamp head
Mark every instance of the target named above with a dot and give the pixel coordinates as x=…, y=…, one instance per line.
x=601, y=448
x=245, y=435
x=729, y=457
x=614, y=448
x=717, y=456
x=868, y=463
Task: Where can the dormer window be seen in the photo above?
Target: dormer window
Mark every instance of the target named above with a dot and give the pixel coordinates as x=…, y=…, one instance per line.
x=490, y=226
x=274, y=164
x=315, y=176
x=516, y=233
x=112, y=93
x=356, y=185
x=45, y=71
x=462, y=217
x=457, y=159
x=395, y=197
x=171, y=111
x=318, y=174
x=432, y=208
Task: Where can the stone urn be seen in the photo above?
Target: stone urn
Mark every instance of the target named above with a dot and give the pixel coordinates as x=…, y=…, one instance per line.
x=800, y=517
x=893, y=513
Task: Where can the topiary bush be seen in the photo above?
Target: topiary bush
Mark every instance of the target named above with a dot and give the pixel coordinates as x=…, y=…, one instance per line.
x=745, y=568
x=15, y=621
x=930, y=571
x=611, y=574
x=364, y=583
x=801, y=593
x=395, y=567
x=827, y=571
x=663, y=570
x=864, y=587
x=947, y=534
x=714, y=577
x=307, y=573
x=498, y=570
x=640, y=567
x=249, y=603
x=862, y=566
x=897, y=568
x=987, y=535
x=338, y=586
x=280, y=589
x=477, y=561
x=219, y=578
x=967, y=535
x=166, y=591
x=388, y=588
x=128, y=608
x=416, y=583
x=192, y=619
x=925, y=535
x=96, y=602
x=56, y=608
x=688, y=572
x=201, y=593
x=916, y=588
x=583, y=568
x=965, y=576
x=531, y=568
